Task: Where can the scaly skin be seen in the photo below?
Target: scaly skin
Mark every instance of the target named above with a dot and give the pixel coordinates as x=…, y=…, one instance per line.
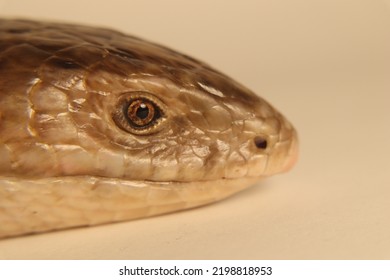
x=70, y=157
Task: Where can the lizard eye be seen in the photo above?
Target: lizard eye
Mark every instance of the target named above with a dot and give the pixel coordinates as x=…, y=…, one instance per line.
x=139, y=113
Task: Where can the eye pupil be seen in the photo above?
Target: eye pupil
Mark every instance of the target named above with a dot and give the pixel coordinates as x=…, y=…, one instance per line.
x=142, y=111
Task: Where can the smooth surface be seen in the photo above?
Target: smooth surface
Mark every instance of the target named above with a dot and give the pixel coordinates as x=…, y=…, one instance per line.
x=326, y=66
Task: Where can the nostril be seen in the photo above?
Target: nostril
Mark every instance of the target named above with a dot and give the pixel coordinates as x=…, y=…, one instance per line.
x=260, y=142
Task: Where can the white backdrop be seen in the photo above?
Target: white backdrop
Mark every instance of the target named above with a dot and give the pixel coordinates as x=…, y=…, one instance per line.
x=326, y=66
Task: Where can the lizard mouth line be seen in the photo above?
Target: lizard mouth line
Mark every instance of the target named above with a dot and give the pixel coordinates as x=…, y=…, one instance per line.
x=81, y=178
x=93, y=200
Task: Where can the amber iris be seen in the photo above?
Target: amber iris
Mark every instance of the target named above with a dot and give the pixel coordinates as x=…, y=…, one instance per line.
x=141, y=112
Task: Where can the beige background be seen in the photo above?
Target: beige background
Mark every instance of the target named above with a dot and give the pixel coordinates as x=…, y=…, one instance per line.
x=326, y=66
